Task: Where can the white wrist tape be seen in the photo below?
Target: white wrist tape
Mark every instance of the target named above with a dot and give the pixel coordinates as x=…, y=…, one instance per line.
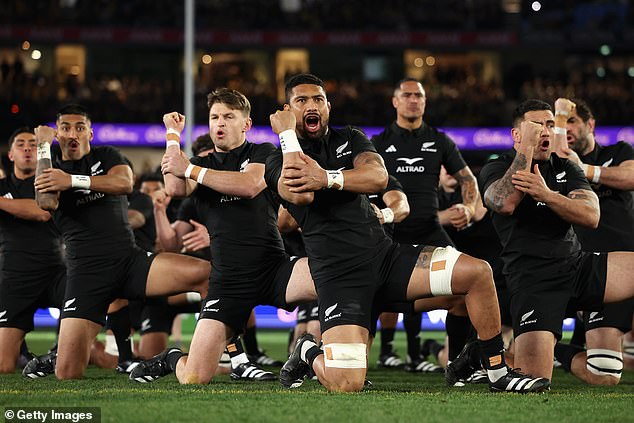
x=388, y=215
x=597, y=174
x=559, y=131
x=201, y=175
x=43, y=151
x=188, y=171
x=335, y=179
x=80, y=181
x=173, y=138
x=442, y=262
x=192, y=297
x=289, y=142
x=561, y=113
x=345, y=356
x=172, y=131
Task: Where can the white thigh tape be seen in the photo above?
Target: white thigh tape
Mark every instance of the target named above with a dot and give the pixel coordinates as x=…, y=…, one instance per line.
x=442, y=262
x=345, y=356
x=604, y=362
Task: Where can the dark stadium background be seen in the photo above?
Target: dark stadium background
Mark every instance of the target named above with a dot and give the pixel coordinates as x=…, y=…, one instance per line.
x=476, y=59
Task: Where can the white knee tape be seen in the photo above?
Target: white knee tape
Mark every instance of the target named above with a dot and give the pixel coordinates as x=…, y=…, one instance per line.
x=628, y=349
x=604, y=362
x=442, y=262
x=345, y=356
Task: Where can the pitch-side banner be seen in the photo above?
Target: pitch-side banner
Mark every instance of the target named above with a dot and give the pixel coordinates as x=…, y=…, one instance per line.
x=143, y=135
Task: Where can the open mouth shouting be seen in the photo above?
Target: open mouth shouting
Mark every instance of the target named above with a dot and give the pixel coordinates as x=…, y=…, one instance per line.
x=312, y=123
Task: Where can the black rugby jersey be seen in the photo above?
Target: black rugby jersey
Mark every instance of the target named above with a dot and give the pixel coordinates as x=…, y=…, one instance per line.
x=243, y=231
x=145, y=236
x=392, y=185
x=93, y=223
x=534, y=234
x=616, y=227
x=414, y=158
x=340, y=228
x=24, y=243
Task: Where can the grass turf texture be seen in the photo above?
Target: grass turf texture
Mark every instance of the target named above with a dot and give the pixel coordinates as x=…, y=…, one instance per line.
x=395, y=397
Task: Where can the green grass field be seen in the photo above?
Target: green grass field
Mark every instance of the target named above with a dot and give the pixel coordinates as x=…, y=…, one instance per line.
x=395, y=397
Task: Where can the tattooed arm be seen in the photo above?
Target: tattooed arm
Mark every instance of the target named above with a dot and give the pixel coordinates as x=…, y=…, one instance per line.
x=502, y=196
x=470, y=194
x=580, y=207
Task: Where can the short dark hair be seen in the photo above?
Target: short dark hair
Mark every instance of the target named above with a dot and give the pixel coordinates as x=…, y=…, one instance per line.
x=408, y=79
x=155, y=176
x=299, y=79
x=583, y=110
x=202, y=143
x=232, y=98
x=20, y=130
x=73, y=109
x=528, y=106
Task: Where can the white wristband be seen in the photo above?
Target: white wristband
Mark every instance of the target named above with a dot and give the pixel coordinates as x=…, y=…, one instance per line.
x=597, y=174
x=561, y=113
x=201, y=175
x=388, y=215
x=188, y=171
x=289, y=142
x=559, y=131
x=192, y=297
x=43, y=151
x=171, y=143
x=172, y=131
x=335, y=179
x=80, y=181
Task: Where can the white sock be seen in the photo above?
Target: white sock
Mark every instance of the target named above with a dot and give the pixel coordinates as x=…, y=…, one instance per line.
x=305, y=347
x=239, y=359
x=496, y=374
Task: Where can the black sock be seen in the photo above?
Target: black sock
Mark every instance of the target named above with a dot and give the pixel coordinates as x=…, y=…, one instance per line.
x=579, y=334
x=458, y=329
x=491, y=353
x=387, y=340
x=172, y=358
x=120, y=325
x=24, y=349
x=312, y=353
x=431, y=346
x=250, y=341
x=234, y=346
x=564, y=353
x=411, y=322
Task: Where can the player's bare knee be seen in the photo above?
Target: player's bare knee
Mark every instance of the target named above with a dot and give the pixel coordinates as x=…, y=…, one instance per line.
x=63, y=372
x=195, y=378
x=345, y=383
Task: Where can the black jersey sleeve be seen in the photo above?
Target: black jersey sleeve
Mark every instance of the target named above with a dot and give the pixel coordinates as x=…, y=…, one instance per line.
x=359, y=141
x=261, y=152
x=143, y=204
x=491, y=172
x=625, y=152
x=273, y=169
x=110, y=157
x=187, y=210
x=452, y=159
x=393, y=185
